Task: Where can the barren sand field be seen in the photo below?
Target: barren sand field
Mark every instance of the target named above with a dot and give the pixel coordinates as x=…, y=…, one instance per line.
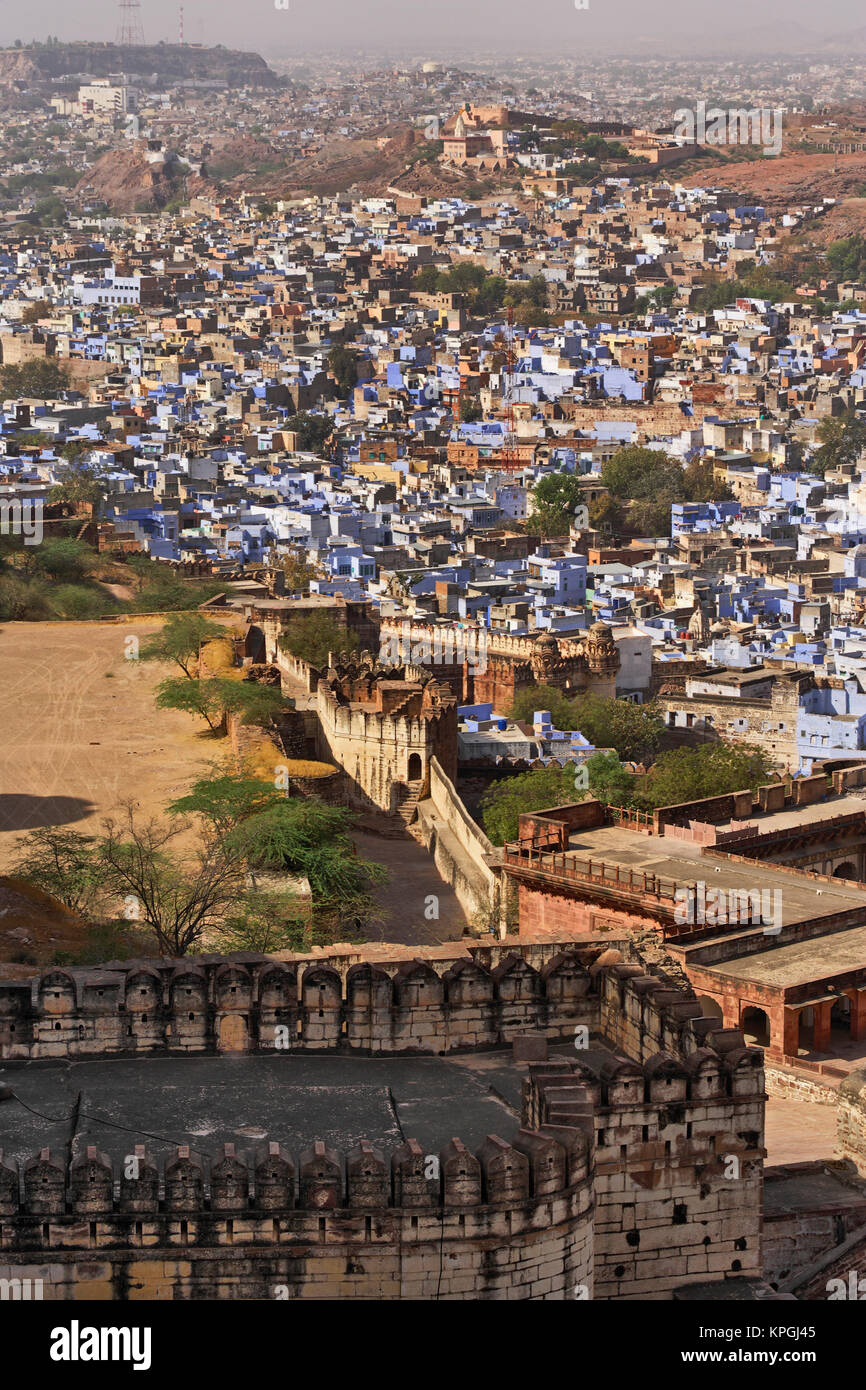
x=81, y=733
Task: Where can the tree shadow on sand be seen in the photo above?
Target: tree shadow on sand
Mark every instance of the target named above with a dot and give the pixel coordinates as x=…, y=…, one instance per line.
x=18, y=811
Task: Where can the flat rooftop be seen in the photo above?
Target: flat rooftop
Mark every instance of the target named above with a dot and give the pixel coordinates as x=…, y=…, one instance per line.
x=246, y=1100
x=801, y=899
x=802, y=961
x=819, y=1187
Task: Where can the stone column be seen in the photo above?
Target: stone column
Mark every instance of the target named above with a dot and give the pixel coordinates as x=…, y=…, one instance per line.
x=790, y=1032
x=821, y=1028
x=858, y=1013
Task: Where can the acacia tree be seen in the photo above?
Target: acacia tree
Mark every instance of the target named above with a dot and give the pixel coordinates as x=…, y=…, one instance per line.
x=226, y=799
x=179, y=640
x=177, y=901
x=212, y=699
x=273, y=833
x=312, y=637
x=265, y=922
x=65, y=864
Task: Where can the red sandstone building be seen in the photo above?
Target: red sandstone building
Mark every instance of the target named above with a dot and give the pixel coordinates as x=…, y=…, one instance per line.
x=783, y=958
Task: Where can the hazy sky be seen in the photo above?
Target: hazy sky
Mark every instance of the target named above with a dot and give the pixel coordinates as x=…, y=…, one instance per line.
x=433, y=26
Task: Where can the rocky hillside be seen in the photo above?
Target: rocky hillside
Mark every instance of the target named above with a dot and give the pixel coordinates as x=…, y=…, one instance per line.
x=29, y=65
x=790, y=179
x=126, y=182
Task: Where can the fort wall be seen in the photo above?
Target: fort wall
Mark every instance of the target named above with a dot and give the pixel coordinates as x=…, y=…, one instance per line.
x=511, y=1221
x=253, y=1003
x=461, y=851
x=636, y=1170
x=678, y=1146
x=851, y=1120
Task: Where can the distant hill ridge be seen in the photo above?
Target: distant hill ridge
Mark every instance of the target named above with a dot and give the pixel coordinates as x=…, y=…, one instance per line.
x=165, y=59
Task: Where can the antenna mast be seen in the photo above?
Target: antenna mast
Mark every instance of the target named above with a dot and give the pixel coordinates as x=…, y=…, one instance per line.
x=129, y=31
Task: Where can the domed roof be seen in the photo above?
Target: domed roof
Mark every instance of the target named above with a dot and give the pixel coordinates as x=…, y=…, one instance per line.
x=600, y=630
x=546, y=639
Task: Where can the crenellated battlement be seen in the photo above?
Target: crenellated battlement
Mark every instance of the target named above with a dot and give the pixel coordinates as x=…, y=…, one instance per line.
x=253, y=1003
x=258, y=1004
x=509, y=1221
x=533, y=1168
x=637, y=1167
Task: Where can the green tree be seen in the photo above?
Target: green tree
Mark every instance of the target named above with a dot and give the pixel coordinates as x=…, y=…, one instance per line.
x=24, y=600
x=264, y=923
x=651, y=518
x=426, y=279
x=79, y=484
x=650, y=481
x=64, y=864
x=843, y=440
x=63, y=559
x=608, y=780
x=180, y=639
x=310, y=838
x=713, y=769
x=227, y=799
x=42, y=379
x=215, y=697
x=633, y=730
x=343, y=363
x=313, y=431
x=605, y=514
x=298, y=571
x=555, y=498
x=544, y=697
x=80, y=602
x=178, y=899
x=540, y=788
x=700, y=484
x=314, y=636
x=638, y=474
x=847, y=257
x=662, y=297
x=271, y=833
x=50, y=212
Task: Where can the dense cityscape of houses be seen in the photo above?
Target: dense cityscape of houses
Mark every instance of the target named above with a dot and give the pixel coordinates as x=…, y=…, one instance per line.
x=376, y=386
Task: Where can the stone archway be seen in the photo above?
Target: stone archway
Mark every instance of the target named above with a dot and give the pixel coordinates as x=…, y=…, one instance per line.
x=846, y=870
x=254, y=643
x=233, y=1033
x=756, y=1026
x=415, y=770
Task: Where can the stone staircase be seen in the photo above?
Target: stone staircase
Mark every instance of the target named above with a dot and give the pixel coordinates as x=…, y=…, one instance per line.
x=406, y=810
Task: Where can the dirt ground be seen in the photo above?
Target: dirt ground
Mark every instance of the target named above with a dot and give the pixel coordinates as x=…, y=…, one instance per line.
x=410, y=915
x=798, y=1131
x=82, y=735
x=81, y=732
